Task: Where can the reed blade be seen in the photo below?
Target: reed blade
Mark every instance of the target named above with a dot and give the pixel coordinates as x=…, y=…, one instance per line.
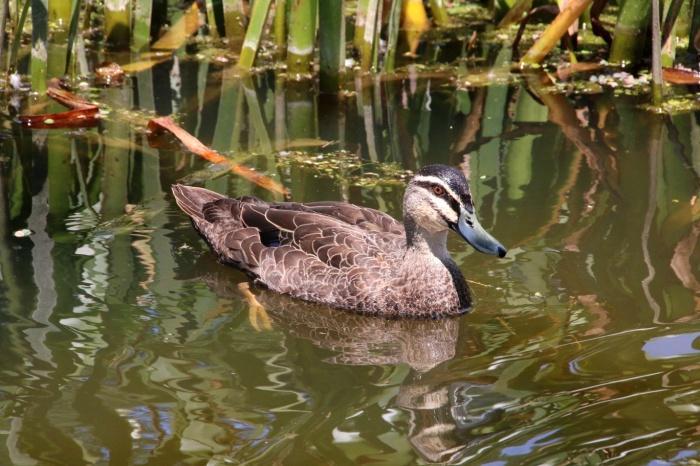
x=72, y=31
x=253, y=34
x=393, y=35
x=370, y=35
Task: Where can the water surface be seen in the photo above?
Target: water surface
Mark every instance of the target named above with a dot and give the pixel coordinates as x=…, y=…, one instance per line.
x=124, y=342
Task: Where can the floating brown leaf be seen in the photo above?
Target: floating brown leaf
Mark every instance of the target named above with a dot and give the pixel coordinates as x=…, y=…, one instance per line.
x=681, y=76
x=82, y=113
x=160, y=124
x=564, y=72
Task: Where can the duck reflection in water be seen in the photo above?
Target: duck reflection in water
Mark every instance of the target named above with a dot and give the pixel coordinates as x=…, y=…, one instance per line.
x=447, y=416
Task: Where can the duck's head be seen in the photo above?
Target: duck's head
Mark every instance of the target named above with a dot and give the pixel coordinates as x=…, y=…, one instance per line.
x=437, y=199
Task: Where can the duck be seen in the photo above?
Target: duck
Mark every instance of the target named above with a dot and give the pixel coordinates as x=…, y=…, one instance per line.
x=347, y=256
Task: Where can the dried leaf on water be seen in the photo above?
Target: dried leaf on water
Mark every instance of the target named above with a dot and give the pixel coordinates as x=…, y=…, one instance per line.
x=158, y=125
x=69, y=99
x=564, y=72
x=82, y=113
x=681, y=76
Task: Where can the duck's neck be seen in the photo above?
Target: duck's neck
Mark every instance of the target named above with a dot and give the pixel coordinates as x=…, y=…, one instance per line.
x=433, y=245
x=422, y=241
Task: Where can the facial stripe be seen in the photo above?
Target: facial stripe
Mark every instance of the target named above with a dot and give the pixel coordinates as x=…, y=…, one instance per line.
x=438, y=181
x=454, y=202
x=460, y=200
x=445, y=210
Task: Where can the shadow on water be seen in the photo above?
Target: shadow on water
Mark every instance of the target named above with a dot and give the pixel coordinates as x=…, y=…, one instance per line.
x=124, y=344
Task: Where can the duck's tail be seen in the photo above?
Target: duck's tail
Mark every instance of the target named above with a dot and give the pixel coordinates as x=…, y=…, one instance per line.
x=192, y=199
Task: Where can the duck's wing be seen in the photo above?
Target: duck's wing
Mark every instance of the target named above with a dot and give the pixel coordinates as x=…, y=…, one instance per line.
x=363, y=217
x=332, y=241
x=281, y=245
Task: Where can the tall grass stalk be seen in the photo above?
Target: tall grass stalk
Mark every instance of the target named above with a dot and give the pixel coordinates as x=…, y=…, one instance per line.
x=302, y=34
x=117, y=23
x=331, y=43
x=393, y=35
x=258, y=16
x=143, y=14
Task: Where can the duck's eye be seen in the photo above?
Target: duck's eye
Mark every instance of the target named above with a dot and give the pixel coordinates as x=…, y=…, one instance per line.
x=438, y=190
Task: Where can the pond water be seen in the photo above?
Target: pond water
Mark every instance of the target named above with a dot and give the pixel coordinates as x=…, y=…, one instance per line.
x=124, y=342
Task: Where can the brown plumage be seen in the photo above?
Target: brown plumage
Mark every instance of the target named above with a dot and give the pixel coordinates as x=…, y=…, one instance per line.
x=347, y=256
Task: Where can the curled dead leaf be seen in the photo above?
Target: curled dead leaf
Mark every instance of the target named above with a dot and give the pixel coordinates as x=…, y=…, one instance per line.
x=161, y=124
x=681, y=76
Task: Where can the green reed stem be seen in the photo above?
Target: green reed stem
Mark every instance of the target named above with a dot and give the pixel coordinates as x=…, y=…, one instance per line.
x=60, y=13
x=143, y=15
x=280, y=27
x=234, y=20
x=302, y=34
x=117, y=23
x=440, y=16
x=393, y=35
x=360, y=20
x=331, y=43
x=630, y=31
x=211, y=18
x=253, y=34
x=40, y=26
x=370, y=35
x=17, y=40
x=668, y=31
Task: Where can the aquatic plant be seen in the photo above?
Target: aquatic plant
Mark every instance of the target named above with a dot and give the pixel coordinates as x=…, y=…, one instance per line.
x=306, y=36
